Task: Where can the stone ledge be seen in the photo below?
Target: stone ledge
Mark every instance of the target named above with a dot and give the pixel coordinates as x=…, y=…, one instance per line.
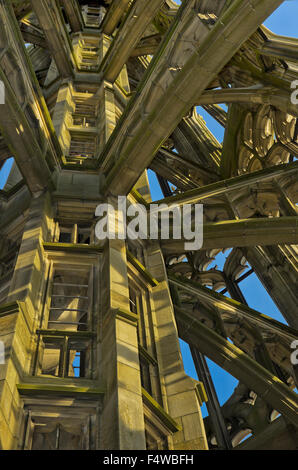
x=59, y=390
x=166, y=419
x=8, y=309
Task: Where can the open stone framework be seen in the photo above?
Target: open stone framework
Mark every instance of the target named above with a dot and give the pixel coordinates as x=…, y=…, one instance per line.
x=96, y=93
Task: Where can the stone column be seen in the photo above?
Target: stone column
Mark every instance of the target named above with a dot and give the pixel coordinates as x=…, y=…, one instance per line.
x=107, y=113
x=19, y=316
x=122, y=420
x=180, y=398
x=62, y=117
x=27, y=278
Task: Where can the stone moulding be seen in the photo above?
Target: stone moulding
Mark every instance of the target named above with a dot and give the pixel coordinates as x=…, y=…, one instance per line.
x=142, y=270
x=62, y=390
x=160, y=412
x=72, y=247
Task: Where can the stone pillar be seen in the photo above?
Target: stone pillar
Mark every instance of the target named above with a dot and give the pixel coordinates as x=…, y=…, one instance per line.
x=27, y=278
x=180, y=398
x=11, y=321
x=18, y=319
x=62, y=117
x=122, y=420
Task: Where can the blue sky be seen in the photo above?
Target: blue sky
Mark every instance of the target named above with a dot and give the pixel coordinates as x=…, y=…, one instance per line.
x=283, y=21
x=4, y=172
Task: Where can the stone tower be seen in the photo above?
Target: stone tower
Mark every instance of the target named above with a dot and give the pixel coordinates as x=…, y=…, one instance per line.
x=96, y=93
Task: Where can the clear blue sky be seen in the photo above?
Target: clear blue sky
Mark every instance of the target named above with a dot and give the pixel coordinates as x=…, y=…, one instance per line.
x=4, y=172
x=283, y=21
